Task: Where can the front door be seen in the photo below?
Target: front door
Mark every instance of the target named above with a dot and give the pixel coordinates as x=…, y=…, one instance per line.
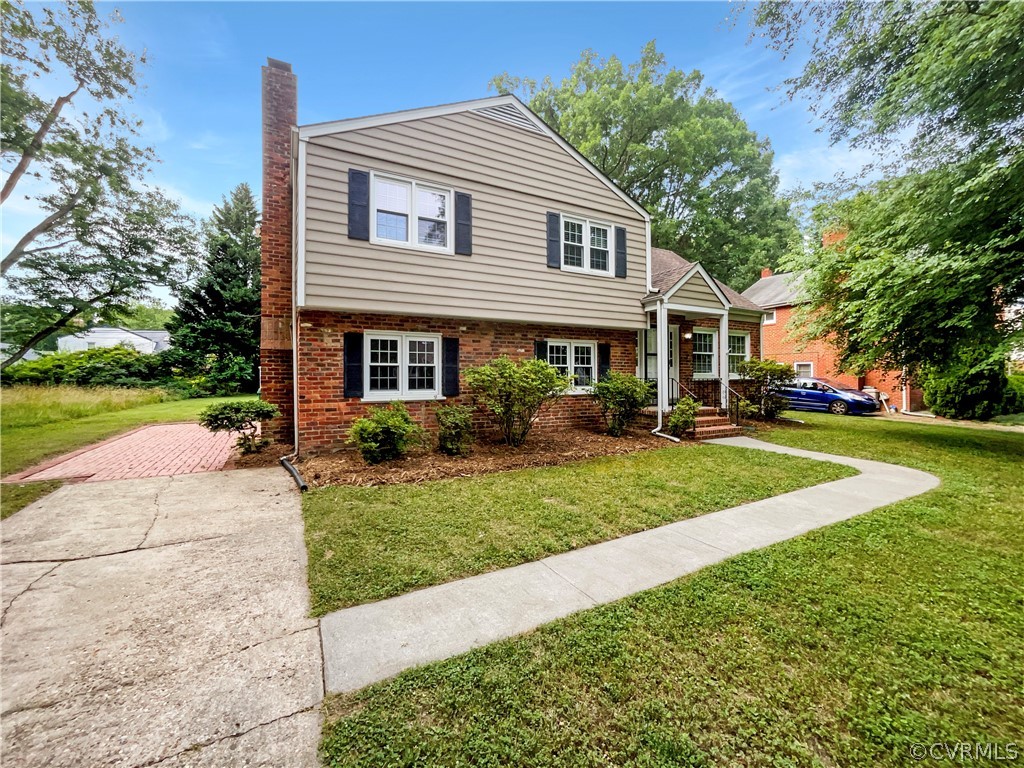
x=648, y=353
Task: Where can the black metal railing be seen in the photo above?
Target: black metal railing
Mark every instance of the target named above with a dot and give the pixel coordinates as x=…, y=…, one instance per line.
x=707, y=391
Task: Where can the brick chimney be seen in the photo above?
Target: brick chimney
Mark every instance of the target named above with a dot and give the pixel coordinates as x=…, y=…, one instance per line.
x=766, y=272
x=280, y=106
x=832, y=237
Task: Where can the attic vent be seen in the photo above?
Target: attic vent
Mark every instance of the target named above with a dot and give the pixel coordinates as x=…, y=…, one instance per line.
x=507, y=113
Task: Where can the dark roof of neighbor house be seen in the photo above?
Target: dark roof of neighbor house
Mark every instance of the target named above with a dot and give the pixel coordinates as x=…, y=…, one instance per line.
x=781, y=290
x=668, y=268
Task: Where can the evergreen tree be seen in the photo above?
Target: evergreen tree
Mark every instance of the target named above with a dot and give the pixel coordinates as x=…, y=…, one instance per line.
x=216, y=331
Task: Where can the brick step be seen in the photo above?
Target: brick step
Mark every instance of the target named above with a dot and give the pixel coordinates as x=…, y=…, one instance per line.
x=712, y=421
x=710, y=433
x=705, y=410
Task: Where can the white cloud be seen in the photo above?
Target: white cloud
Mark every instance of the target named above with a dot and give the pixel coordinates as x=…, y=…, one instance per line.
x=190, y=204
x=809, y=165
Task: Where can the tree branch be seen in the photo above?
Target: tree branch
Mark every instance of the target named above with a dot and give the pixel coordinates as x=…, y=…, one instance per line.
x=41, y=228
x=37, y=142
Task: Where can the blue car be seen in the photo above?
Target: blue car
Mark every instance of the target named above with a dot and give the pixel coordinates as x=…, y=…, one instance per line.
x=815, y=394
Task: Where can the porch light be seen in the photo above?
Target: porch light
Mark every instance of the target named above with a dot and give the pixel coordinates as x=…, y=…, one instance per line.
x=687, y=335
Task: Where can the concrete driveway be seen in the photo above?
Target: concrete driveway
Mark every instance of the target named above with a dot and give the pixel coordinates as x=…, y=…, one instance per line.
x=160, y=621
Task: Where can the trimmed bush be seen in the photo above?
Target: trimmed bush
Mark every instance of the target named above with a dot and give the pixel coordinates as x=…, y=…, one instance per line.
x=974, y=387
x=454, y=429
x=514, y=393
x=621, y=397
x=764, y=381
x=386, y=433
x=244, y=418
x=683, y=417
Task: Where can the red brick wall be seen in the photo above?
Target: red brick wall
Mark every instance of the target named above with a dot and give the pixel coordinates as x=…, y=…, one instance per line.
x=280, y=98
x=779, y=345
x=325, y=414
x=686, y=347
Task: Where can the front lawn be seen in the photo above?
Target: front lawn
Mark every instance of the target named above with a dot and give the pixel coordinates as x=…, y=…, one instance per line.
x=31, y=432
x=366, y=544
x=840, y=648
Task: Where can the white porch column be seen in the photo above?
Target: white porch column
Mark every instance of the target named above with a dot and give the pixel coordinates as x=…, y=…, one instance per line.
x=662, y=344
x=723, y=357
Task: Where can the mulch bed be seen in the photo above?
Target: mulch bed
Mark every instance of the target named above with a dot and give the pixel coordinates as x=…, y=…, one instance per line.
x=540, y=450
x=268, y=457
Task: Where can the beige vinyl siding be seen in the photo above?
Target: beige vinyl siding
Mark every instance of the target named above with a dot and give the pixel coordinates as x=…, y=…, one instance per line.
x=695, y=292
x=515, y=177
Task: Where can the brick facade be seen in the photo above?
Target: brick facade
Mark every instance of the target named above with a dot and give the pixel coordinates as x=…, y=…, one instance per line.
x=280, y=100
x=325, y=414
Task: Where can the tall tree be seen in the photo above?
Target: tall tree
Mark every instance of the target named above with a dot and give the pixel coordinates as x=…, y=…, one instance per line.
x=933, y=264
x=678, y=149
x=216, y=328
x=82, y=157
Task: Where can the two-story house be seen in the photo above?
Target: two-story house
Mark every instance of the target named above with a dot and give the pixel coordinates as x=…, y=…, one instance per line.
x=400, y=249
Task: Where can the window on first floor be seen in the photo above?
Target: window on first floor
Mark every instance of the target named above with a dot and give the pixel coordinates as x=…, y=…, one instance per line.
x=575, y=359
x=804, y=369
x=411, y=213
x=704, y=354
x=739, y=350
x=402, y=366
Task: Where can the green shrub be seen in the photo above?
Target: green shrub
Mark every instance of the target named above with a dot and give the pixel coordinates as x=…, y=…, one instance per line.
x=974, y=387
x=243, y=418
x=454, y=429
x=386, y=433
x=683, y=417
x=514, y=393
x=764, y=381
x=101, y=367
x=621, y=397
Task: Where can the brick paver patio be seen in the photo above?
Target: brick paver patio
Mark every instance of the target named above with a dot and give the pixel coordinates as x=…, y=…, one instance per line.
x=156, y=451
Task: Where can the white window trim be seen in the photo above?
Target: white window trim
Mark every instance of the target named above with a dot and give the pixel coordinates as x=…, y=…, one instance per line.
x=403, y=393
x=571, y=343
x=587, y=224
x=714, y=354
x=770, y=313
x=746, y=350
x=808, y=375
x=412, y=243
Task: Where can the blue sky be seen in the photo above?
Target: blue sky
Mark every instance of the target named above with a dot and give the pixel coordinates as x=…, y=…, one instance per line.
x=201, y=100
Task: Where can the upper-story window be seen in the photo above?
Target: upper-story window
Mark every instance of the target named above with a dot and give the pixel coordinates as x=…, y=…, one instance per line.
x=769, y=317
x=411, y=213
x=586, y=246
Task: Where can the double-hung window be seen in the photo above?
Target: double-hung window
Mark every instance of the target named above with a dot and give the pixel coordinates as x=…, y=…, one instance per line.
x=402, y=366
x=411, y=213
x=575, y=359
x=739, y=350
x=704, y=356
x=586, y=246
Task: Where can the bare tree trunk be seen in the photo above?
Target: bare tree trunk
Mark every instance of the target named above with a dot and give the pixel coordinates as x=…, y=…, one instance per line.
x=41, y=228
x=37, y=143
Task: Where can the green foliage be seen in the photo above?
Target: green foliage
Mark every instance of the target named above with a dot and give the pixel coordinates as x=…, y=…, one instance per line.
x=941, y=85
x=243, y=417
x=29, y=405
x=386, y=433
x=454, y=429
x=763, y=381
x=215, y=332
x=683, y=417
x=680, y=150
x=513, y=393
x=622, y=398
x=149, y=315
x=104, y=366
x=975, y=387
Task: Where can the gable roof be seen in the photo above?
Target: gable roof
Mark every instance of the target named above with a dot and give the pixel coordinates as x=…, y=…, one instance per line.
x=668, y=268
x=507, y=108
x=781, y=290
x=161, y=339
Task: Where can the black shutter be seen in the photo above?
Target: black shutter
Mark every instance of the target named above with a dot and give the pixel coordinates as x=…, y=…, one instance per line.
x=463, y=224
x=604, y=360
x=353, y=364
x=358, y=204
x=620, y=252
x=540, y=350
x=554, y=240
x=449, y=367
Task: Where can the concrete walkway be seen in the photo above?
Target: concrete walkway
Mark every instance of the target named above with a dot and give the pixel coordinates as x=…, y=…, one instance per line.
x=372, y=642
x=162, y=621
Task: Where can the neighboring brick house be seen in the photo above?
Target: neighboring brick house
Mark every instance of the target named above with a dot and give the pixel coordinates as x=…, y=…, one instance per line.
x=400, y=249
x=779, y=295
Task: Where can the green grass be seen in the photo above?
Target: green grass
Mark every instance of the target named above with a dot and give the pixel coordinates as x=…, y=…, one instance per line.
x=1009, y=419
x=25, y=442
x=30, y=406
x=839, y=648
x=371, y=543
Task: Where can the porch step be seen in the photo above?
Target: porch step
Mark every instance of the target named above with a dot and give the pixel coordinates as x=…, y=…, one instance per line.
x=712, y=421
x=705, y=410
x=710, y=433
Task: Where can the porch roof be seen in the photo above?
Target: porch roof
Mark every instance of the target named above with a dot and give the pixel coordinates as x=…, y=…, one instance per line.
x=668, y=268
